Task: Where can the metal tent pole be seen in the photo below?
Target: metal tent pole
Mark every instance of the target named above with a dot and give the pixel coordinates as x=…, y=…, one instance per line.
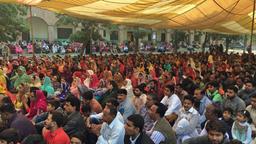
x=252, y=28
x=31, y=26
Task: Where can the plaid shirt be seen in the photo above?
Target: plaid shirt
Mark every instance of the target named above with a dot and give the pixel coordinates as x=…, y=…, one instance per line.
x=148, y=122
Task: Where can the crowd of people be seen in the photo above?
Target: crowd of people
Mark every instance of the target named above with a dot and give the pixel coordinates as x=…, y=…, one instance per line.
x=181, y=98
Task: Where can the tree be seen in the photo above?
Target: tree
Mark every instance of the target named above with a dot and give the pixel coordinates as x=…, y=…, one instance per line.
x=89, y=33
x=12, y=21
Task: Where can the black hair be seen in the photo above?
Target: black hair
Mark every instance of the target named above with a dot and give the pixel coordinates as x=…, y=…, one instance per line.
x=88, y=95
x=161, y=109
x=112, y=110
x=86, y=109
x=228, y=109
x=34, y=89
x=54, y=103
x=78, y=136
x=216, y=125
x=170, y=87
x=234, y=141
x=246, y=114
x=233, y=88
x=113, y=102
x=7, y=105
x=121, y=91
x=214, y=84
x=33, y=139
x=10, y=135
x=58, y=118
x=137, y=121
x=114, y=84
x=190, y=98
x=74, y=101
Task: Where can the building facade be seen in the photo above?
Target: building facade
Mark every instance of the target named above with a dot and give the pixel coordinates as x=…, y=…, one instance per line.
x=44, y=26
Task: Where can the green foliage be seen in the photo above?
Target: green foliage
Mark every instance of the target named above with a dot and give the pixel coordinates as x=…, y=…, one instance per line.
x=12, y=21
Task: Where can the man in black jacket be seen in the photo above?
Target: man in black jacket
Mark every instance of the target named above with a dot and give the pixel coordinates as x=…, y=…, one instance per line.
x=74, y=123
x=134, y=131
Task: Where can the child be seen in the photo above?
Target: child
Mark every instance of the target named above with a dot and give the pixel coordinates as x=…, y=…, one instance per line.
x=241, y=129
x=227, y=118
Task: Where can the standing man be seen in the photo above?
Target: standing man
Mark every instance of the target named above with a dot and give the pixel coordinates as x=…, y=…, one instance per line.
x=134, y=131
x=53, y=132
x=112, y=130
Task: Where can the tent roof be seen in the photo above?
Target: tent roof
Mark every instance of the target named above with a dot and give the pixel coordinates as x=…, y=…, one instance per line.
x=225, y=16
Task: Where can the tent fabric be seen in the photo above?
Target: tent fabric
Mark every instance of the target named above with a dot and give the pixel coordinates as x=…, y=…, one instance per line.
x=226, y=16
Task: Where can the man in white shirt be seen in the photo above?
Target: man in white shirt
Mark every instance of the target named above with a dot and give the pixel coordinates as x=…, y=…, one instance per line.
x=112, y=130
x=172, y=102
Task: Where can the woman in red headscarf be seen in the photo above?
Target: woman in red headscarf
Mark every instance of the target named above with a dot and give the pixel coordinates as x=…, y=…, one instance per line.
x=38, y=103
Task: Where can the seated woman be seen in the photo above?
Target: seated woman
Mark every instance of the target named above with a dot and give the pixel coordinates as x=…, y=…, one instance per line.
x=47, y=86
x=38, y=103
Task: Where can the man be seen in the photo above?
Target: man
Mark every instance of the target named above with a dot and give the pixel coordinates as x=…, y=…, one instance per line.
x=188, y=120
x=162, y=131
x=252, y=110
x=112, y=130
x=139, y=98
x=201, y=102
x=213, y=92
x=53, y=132
x=126, y=108
x=216, y=134
x=148, y=122
x=233, y=101
x=172, y=101
x=14, y=120
x=92, y=102
x=74, y=123
x=246, y=93
x=134, y=131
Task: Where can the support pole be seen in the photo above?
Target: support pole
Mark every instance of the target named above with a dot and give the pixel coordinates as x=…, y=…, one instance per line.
x=31, y=27
x=252, y=28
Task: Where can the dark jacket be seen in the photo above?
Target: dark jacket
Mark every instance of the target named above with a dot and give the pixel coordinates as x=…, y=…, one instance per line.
x=22, y=124
x=142, y=139
x=165, y=128
x=74, y=124
x=201, y=140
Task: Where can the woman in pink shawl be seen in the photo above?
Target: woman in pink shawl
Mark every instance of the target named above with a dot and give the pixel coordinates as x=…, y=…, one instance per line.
x=74, y=86
x=38, y=103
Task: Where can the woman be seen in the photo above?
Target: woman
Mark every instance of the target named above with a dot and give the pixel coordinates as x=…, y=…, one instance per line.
x=47, y=86
x=38, y=103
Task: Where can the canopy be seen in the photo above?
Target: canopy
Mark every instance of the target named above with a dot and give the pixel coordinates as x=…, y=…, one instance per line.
x=226, y=16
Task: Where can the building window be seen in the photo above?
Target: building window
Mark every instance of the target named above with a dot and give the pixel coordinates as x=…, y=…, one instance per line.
x=64, y=33
x=154, y=36
x=104, y=33
x=114, y=35
x=150, y=37
x=163, y=37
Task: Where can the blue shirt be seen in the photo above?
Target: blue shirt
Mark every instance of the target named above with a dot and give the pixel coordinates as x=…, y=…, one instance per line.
x=126, y=108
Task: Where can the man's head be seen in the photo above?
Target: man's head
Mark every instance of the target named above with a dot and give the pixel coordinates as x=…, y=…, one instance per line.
x=212, y=112
x=188, y=102
x=198, y=94
x=109, y=114
x=216, y=130
x=213, y=86
x=249, y=86
x=87, y=96
x=72, y=104
x=151, y=99
x=112, y=102
x=157, y=111
x=231, y=91
x=121, y=95
x=134, y=125
x=6, y=105
x=168, y=90
x=54, y=120
x=52, y=105
x=253, y=101
x=139, y=90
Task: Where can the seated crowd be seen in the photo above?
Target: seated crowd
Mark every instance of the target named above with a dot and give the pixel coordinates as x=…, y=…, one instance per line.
x=199, y=98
